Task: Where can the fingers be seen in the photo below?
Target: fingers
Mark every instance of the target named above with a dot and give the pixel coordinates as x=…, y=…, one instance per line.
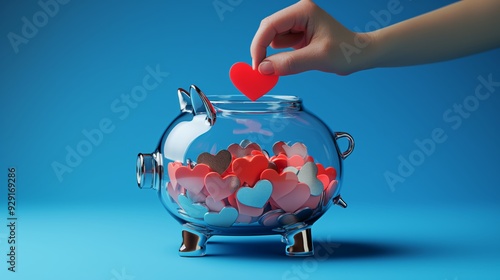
x=292, y=18
x=293, y=62
x=289, y=40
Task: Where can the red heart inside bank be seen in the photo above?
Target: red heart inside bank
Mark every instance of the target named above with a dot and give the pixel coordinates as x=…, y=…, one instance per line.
x=251, y=82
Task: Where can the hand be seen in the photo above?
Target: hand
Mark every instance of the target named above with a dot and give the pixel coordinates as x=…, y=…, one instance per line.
x=317, y=38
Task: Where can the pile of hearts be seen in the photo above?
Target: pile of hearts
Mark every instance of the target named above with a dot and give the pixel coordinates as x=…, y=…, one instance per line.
x=244, y=184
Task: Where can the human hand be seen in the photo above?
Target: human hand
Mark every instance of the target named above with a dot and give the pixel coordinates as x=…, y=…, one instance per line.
x=317, y=40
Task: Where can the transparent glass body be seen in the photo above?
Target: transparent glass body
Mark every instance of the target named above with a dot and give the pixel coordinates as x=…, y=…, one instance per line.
x=231, y=166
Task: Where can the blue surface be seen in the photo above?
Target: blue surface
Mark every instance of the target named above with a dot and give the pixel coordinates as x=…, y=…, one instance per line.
x=440, y=221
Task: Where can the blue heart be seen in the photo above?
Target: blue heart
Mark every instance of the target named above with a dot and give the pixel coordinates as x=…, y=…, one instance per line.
x=194, y=210
x=225, y=218
x=256, y=196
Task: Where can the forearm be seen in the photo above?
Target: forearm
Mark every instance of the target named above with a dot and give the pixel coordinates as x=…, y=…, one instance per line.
x=457, y=30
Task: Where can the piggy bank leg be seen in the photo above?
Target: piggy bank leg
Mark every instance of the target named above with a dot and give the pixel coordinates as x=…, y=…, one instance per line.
x=299, y=244
x=193, y=244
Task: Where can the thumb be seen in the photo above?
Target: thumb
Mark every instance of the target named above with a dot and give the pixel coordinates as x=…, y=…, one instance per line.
x=288, y=63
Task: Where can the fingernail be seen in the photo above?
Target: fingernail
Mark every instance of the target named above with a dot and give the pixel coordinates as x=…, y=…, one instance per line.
x=266, y=68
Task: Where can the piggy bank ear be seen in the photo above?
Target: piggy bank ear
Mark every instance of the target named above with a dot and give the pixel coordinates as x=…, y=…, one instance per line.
x=201, y=104
x=184, y=101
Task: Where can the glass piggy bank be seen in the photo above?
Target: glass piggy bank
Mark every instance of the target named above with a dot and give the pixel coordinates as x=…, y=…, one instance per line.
x=230, y=166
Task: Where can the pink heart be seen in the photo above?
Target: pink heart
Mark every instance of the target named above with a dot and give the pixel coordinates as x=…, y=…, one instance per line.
x=296, y=149
x=251, y=82
x=192, y=179
x=174, y=191
x=238, y=151
x=172, y=167
x=295, y=199
x=282, y=183
x=249, y=210
x=312, y=202
x=244, y=219
x=214, y=204
x=330, y=192
x=220, y=188
x=278, y=148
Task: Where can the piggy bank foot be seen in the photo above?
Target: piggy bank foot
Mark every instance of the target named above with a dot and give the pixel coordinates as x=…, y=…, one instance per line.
x=299, y=244
x=193, y=244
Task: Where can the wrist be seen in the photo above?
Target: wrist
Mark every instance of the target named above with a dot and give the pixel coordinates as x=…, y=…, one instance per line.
x=359, y=53
x=370, y=51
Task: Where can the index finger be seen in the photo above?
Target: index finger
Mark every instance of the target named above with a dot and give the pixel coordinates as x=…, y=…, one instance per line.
x=290, y=18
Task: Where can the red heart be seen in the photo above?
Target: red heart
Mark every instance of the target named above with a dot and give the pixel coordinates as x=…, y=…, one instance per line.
x=281, y=161
x=248, y=169
x=251, y=82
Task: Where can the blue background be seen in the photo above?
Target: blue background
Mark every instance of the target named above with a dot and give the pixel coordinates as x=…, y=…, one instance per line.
x=442, y=222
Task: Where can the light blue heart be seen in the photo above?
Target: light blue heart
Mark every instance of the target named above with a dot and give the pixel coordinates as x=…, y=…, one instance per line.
x=256, y=196
x=194, y=210
x=225, y=218
x=308, y=175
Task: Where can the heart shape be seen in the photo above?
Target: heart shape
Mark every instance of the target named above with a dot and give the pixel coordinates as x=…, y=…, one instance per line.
x=240, y=151
x=296, y=149
x=248, y=169
x=257, y=196
x=281, y=161
x=225, y=218
x=294, y=199
x=325, y=180
x=330, y=192
x=220, y=188
x=307, y=174
x=172, y=168
x=331, y=172
x=283, y=183
x=218, y=163
x=193, y=210
x=251, y=82
x=192, y=179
